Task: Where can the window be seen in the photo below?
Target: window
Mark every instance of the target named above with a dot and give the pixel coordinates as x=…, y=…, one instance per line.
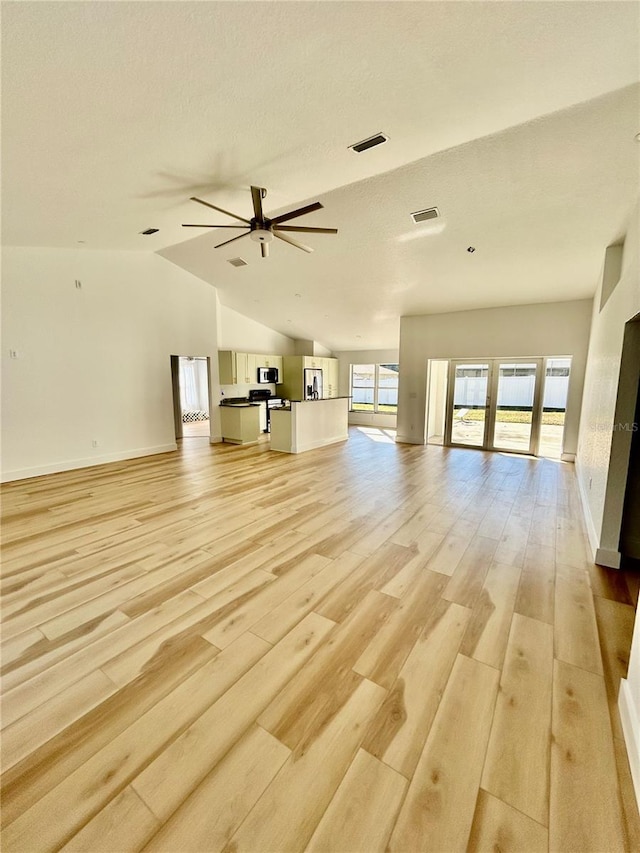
x=374, y=388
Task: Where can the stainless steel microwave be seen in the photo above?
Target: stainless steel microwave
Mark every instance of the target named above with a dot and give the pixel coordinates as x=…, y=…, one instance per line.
x=267, y=374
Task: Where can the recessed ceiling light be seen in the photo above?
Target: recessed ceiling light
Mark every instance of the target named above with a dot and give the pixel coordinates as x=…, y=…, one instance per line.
x=471, y=249
x=370, y=142
x=637, y=137
x=359, y=337
x=150, y=231
x=298, y=295
x=80, y=241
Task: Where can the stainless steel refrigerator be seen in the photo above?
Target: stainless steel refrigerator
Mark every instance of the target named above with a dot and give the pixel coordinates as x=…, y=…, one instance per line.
x=312, y=384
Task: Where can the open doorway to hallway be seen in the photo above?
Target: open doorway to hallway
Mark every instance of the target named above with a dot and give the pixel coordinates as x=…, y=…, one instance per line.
x=191, y=396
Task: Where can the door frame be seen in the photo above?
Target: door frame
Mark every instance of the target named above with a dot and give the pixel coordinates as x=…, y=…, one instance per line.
x=493, y=377
x=448, y=420
x=175, y=392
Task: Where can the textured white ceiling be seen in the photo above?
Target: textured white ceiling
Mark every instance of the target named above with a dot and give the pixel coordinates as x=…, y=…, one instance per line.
x=115, y=113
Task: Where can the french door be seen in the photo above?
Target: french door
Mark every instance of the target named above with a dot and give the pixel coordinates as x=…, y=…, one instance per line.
x=495, y=404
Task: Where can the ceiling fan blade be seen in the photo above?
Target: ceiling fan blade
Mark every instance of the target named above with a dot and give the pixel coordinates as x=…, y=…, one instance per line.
x=285, y=217
x=220, y=210
x=239, y=237
x=213, y=226
x=293, y=242
x=257, y=194
x=308, y=230
x=264, y=248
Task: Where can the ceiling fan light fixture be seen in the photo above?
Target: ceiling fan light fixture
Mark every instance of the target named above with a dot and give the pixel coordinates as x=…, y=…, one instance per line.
x=261, y=235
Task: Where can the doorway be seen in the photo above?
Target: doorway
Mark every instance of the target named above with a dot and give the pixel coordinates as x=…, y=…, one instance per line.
x=514, y=405
x=191, y=396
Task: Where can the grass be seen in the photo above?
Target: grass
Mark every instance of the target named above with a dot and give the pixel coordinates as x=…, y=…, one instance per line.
x=368, y=407
x=509, y=416
x=504, y=416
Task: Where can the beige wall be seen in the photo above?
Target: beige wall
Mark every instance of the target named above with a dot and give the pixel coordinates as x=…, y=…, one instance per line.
x=94, y=363
x=599, y=473
x=546, y=329
x=241, y=334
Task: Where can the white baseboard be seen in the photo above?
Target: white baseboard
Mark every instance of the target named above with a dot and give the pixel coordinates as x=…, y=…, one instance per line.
x=73, y=464
x=594, y=539
x=610, y=559
x=215, y=439
x=568, y=457
x=405, y=439
x=631, y=731
x=374, y=419
x=314, y=445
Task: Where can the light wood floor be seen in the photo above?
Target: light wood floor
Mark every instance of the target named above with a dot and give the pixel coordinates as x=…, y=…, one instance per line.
x=366, y=647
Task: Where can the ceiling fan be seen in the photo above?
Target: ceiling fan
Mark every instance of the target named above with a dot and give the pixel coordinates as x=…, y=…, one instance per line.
x=262, y=229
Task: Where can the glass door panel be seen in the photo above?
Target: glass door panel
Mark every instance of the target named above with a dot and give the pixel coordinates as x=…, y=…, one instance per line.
x=515, y=403
x=554, y=405
x=468, y=408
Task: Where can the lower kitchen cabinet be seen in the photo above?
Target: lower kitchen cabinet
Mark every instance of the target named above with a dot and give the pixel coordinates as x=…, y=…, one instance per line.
x=240, y=424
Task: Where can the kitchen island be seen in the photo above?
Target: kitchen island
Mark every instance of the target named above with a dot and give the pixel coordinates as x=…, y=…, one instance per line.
x=305, y=425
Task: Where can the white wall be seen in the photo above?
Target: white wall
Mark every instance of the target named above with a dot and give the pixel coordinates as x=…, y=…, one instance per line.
x=545, y=329
x=239, y=333
x=594, y=467
x=599, y=475
x=369, y=356
x=93, y=364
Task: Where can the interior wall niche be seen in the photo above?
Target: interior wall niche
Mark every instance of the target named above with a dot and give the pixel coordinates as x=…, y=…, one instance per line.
x=612, y=271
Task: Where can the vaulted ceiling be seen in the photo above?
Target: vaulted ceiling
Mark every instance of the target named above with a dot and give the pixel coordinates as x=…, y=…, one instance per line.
x=517, y=120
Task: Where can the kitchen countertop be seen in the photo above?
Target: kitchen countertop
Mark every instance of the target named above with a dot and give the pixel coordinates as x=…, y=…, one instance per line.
x=323, y=399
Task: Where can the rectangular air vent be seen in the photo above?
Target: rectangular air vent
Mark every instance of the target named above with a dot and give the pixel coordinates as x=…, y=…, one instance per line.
x=150, y=231
x=238, y=262
x=424, y=215
x=371, y=142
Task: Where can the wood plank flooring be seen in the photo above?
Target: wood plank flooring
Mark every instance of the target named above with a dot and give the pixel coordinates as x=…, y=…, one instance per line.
x=366, y=647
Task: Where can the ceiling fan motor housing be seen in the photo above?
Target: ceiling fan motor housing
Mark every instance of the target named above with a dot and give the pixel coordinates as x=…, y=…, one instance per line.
x=261, y=235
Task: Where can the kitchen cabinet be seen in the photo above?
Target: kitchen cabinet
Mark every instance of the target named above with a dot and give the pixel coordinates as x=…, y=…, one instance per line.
x=227, y=367
x=332, y=377
x=241, y=368
x=270, y=361
x=240, y=424
x=292, y=386
x=312, y=361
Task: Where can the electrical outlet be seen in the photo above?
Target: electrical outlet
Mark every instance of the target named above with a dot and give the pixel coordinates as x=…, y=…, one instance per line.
x=94, y=443
x=590, y=482
x=78, y=284
x=13, y=353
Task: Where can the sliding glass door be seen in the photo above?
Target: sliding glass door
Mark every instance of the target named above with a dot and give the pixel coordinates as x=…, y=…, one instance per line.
x=516, y=392
x=468, y=403
x=494, y=404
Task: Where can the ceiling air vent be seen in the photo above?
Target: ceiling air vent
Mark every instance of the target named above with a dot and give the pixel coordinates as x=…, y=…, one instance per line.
x=425, y=215
x=150, y=231
x=371, y=142
x=237, y=262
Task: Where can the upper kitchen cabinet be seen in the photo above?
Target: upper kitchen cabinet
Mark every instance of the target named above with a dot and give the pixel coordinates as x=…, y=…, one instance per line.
x=292, y=384
x=271, y=361
x=313, y=361
x=241, y=368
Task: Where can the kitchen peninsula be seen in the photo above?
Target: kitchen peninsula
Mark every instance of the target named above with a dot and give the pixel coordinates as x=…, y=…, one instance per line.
x=305, y=425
